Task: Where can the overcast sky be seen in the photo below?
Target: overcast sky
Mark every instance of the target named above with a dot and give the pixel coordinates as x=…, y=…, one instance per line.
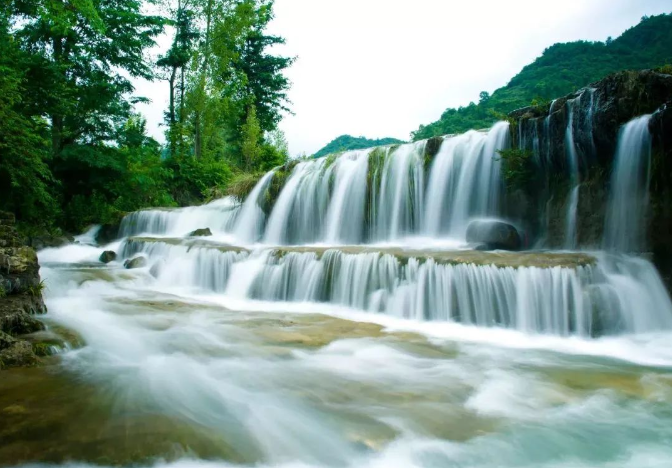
x=381, y=68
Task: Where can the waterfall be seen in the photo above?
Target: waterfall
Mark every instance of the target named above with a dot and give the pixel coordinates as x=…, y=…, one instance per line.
x=250, y=222
x=625, y=225
x=219, y=216
x=573, y=166
x=607, y=295
x=349, y=198
x=547, y=132
x=465, y=181
x=356, y=230
x=400, y=193
x=383, y=194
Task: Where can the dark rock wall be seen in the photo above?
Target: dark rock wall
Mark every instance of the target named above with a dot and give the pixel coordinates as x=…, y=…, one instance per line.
x=599, y=112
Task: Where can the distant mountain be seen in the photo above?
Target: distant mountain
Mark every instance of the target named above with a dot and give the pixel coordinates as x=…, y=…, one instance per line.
x=348, y=142
x=562, y=69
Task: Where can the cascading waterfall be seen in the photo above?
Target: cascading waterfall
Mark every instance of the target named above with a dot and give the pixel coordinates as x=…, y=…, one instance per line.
x=573, y=167
x=613, y=294
x=383, y=195
x=349, y=198
x=395, y=196
x=400, y=193
x=625, y=226
x=250, y=222
x=464, y=181
x=219, y=215
x=547, y=131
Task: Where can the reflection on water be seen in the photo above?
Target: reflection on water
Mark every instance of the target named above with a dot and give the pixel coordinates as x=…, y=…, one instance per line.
x=174, y=378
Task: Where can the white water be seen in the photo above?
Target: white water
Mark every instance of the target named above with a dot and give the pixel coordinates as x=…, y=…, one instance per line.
x=617, y=295
x=268, y=357
x=250, y=223
x=362, y=196
x=218, y=215
x=625, y=227
x=573, y=166
x=269, y=383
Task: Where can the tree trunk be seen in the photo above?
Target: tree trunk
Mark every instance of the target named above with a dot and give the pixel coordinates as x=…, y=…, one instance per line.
x=198, y=137
x=171, y=113
x=56, y=118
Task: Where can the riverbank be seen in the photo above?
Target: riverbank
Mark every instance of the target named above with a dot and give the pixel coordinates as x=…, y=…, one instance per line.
x=20, y=298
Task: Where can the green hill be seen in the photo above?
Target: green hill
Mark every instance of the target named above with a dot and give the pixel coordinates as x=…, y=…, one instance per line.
x=561, y=69
x=348, y=142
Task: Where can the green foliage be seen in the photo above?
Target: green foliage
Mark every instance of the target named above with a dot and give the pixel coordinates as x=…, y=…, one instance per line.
x=242, y=184
x=562, y=69
x=73, y=153
x=517, y=168
x=348, y=142
x=665, y=69
x=36, y=290
x=251, y=133
x=194, y=179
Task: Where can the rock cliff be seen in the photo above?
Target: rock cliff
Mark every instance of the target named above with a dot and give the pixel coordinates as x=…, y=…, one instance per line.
x=20, y=296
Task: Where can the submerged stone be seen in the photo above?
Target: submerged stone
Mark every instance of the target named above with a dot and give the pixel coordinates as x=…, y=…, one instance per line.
x=493, y=235
x=203, y=232
x=137, y=262
x=108, y=256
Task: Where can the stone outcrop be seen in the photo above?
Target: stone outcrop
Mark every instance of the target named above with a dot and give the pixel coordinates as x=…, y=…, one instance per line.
x=20, y=296
x=136, y=262
x=203, y=232
x=493, y=235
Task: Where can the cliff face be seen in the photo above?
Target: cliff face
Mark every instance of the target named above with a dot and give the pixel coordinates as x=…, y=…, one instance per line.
x=20, y=296
x=589, y=122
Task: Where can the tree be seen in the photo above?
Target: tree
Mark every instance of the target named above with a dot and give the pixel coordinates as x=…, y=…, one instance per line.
x=251, y=132
x=26, y=183
x=483, y=97
x=176, y=59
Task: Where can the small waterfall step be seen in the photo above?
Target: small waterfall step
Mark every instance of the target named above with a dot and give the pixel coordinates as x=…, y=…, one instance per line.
x=499, y=259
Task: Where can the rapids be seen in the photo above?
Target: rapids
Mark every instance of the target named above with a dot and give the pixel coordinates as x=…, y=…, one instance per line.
x=350, y=324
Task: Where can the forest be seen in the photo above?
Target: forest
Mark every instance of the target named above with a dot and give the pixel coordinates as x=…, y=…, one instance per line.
x=349, y=142
x=562, y=69
x=73, y=151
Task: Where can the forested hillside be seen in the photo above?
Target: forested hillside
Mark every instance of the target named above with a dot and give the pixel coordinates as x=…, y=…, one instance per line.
x=348, y=142
x=561, y=69
x=72, y=150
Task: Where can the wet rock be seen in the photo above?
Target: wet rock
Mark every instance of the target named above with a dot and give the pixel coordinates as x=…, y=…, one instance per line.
x=493, y=235
x=137, y=262
x=20, y=296
x=108, y=256
x=201, y=232
x=15, y=353
x=46, y=241
x=107, y=233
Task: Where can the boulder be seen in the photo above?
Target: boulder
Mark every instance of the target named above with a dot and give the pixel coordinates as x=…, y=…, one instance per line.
x=136, y=262
x=493, y=235
x=108, y=256
x=15, y=353
x=20, y=296
x=201, y=232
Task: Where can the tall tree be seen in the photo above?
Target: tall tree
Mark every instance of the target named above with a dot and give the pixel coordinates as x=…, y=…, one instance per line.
x=176, y=61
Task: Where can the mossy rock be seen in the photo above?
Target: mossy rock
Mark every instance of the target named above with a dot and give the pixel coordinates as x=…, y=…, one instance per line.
x=203, y=232
x=137, y=262
x=108, y=256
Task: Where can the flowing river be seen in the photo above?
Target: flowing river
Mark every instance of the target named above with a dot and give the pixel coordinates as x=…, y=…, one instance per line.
x=352, y=326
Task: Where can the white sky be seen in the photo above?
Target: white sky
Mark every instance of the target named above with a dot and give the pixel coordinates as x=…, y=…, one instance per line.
x=381, y=68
